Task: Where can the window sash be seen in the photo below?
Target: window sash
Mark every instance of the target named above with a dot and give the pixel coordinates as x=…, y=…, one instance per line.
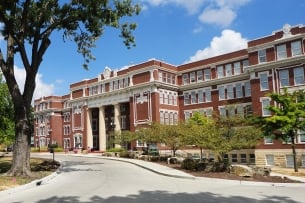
x=192, y=77
x=265, y=104
x=284, y=78
x=262, y=56
x=237, y=70
x=238, y=89
x=207, y=74
x=199, y=75
x=281, y=51
x=296, y=48
x=208, y=95
x=298, y=75
x=247, y=89
x=264, y=81
x=221, y=92
x=219, y=71
x=230, y=93
x=228, y=68
x=186, y=79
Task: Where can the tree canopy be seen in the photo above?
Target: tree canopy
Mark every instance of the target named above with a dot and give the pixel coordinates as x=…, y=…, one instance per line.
x=27, y=28
x=288, y=118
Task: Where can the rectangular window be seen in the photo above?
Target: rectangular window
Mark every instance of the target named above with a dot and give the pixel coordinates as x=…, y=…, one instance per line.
x=228, y=68
x=164, y=77
x=171, y=118
x=296, y=48
x=173, y=79
x=193, y=98
x=269, y=159
x=284, y=78
x=209, y=112
x=238, y=89
x=262, y=56
x=187, y=98
x=265, y=105
x=169, y=78
x=200, y=96
x=263, y=77
x=221, y=92
x=192, y=77
x=243, y=158
x=247, y=89
x=252, y=158
x=175, y=118
x=301, y=137
x=208, y=96
x=160, y=76
x=166, y=118
x=240, y=111
x=237, y=70
x=126, y=82
x=245, y=63
x=207, y=74
x=199, y=75
x=289, y=161
x=219, y=71
x=230, y=93
x=161, y=97
x=161, y=117
x=268, y=140
x=234, y=158
x=187, y=115
x=165, y=97
x=222, y=112
x=123, y=122
x=116, y=85
x=298, y=76
x=186, y=79
x=281, y=51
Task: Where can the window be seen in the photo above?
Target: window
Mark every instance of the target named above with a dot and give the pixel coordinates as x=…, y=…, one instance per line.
x=269, y=159
x=186, y=79
x=265, y=104
x=296, y=48
x=228, y=68
x=207, y=74
x=247, y=89
x=238, y=89
x=219, y=71
x=230, y=93
x=252, y=158
x=221, y=92
x=281, y=51
x=66, y=117
x=200, y=96
x=208, y=96
x=123, y=122
x=301, y=137
x=126, y=82
x=166, y=118
x=161, y=117
x=78, y=141
x=234, y=158
x=193, y=98
x=298, y=75
x=222, y=112
x=243, y=158
x=94, y=124
x=161, y=97
x=237, y=68
x=245, y=63
x=289, y=161
x=199, y=75
x=284, y=78
x=303, y=160
x=121, y=83
x=175, y=118
x=268, y=140
x=262, y=56
x=187, y=98
x=187, y=115
x=66, y=143
x=116, y=85
x=264, y=81
x=240, y=111
x=165, y=97
x=192, y=77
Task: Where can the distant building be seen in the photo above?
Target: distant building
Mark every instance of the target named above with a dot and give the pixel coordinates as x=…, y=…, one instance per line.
x=161, y=92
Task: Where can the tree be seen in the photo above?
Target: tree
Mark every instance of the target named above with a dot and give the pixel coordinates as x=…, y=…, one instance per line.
x=27, y=28
x=288, y=118
x=7, y=114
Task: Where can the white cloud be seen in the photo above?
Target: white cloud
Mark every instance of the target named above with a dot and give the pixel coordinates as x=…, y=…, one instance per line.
x=228, y=41
x=42, y=89
x=219, y=12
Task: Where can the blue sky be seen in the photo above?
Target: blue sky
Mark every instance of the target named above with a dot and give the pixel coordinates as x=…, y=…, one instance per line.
x=175, y=31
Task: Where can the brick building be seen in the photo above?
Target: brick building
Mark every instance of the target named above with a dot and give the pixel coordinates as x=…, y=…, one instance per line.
x=157, y=91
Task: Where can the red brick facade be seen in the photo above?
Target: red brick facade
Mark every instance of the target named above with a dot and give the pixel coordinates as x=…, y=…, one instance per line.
x=157, y=91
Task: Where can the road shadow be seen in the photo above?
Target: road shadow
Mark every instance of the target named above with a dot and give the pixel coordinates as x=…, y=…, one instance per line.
x=166, y=197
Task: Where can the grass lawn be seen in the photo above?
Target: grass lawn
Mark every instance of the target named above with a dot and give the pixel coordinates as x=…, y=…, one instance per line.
x=39, y=167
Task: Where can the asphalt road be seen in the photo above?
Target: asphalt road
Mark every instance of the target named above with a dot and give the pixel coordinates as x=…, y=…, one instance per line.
x=84, y=180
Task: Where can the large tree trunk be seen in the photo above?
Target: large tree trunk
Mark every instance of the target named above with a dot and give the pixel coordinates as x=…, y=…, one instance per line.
x=22, y=146
x=294, y=154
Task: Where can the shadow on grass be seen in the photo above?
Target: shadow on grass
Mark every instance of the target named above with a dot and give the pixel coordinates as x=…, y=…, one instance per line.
x=166, y=197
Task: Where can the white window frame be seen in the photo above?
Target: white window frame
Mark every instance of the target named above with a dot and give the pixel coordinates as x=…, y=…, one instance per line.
x=208, y=95
x=298, y=76
x=262, y=57
x=268, y=140
x=238, y=90
x=281, y=51
x=186, y=79
x=269, y=159
x=289, y=160
x=237, y=69
x=220, y=71
x=230, y=91
x=247, y=87
x=265, y=101
x=221, y=92
x=200, y=96
x=161, y=96
x=187, y=99
x=161, y=117
x=301, y=136
x=193, y=97
x=199, y=76
x=228, y=68
x=207, y=74
x=192, y=77
x=263, y=81
x=284, y=78
x=296, y=48
x=245, y=64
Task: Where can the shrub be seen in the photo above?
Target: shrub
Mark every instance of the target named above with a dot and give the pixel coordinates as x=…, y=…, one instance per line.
x=189, y=164
x=124, y=154
x=115, y=150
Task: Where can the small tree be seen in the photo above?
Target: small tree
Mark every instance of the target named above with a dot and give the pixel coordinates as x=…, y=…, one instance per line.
x=288, y=118
x=7, y=124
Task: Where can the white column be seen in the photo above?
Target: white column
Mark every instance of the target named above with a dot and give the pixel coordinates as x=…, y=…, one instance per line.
x=151, y=76
x=117, y=121
x=102, y=129
x=130, y=80
x=89, y=128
